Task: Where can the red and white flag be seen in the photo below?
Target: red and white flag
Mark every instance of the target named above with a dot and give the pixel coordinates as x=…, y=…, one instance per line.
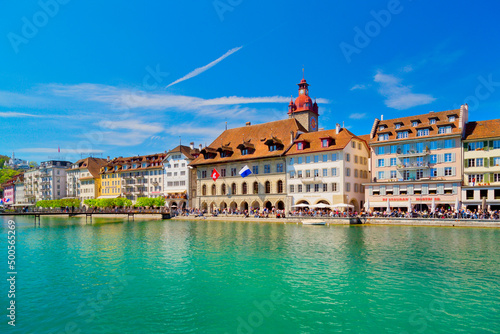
x=215, y=175
x=58, y=149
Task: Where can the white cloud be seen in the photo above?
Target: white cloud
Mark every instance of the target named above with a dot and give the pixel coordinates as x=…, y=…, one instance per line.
x=134, y=125
x=202, y=69
x=359, y=86
x=399, y=96
x=12, y=114
x=357, y=115
x=408, y=68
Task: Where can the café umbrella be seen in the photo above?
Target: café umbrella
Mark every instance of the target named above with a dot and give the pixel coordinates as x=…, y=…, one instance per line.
x=409, y=204
x=388, y=205
x=433, y=205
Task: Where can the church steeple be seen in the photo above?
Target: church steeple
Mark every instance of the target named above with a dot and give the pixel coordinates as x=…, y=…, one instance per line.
x=303, y=109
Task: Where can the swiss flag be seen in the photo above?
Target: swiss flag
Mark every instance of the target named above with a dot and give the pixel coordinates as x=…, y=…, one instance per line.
x=215, y=175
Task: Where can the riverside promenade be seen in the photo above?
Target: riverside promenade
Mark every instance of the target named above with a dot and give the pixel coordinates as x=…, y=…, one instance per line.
x=353, y=220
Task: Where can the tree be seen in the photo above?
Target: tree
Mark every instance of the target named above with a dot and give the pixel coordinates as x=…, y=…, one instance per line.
x=6, y=174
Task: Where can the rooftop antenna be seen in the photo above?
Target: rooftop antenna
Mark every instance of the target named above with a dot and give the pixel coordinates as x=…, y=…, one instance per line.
x=303, y=72
x=343, y=124
x=180, y=140
x=226, y=125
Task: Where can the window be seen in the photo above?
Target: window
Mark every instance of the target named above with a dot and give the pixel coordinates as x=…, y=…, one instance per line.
x=233, y=189
x=325, y=172
x=393, y=161
x=292, y=174
x=444, y=129
x=447, y=157
x=496, y=161
x=447, y=171
x=348, y=187
x=292, y=188
x=381, y=175
x=402, y=134
x=393, y=174
x=244, y=188
x=334, y=187
x=299, y=160
x=380, y=162
x=434, y=172
x=355, y=159
x=316, y=188
x=381, y=150
x=244, y=151
x=299, y=188
x=398, y=125
x=255, y=187
x=449, y=143
x=479, y=162
x=433, y=159
x=334, y=171
x=432, y=121
x=308, y=160
x=214, y=190
x=475, y=178
x=204, y=190
x=291, y=161
x=383, y=137
x=476, y=146
x=233, y=171
x=268, y=187
x=394, y=149
x=325, y=187
x=316, y=158
x=356, y=187
x=299, y=174
x=325, y=157
x=324, y=142
x=223, y=172
x=382, y=127
x=347, y=172
x=496, y=144
x=300, y=146
x=496, y=178
x=422, y=132
x=472, y=162
x=308, y=188
x=451, y=118
x=279, y=168
x=308, y=173
x=347, y=157
x=355, y=173
x=255, y=169
x=406, y=175
x=316, y=172
x=279, y=186
x=273, y=148
x=414, y=123
x=419, y=174
x=267, y=169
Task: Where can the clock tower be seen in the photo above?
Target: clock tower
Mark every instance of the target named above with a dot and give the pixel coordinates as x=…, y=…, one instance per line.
x=303, y=109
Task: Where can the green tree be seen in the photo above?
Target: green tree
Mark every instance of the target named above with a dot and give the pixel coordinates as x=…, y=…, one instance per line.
x=6, y=174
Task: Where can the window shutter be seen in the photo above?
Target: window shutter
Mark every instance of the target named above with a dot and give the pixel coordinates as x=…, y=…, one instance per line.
x=382, y=190
x=370, y=190
x=453, y=171
x=466, y=163
x=492, y=162
x=387, y=162
x=396, y=190
x=491, y=144
x=410, y=189
x=425, y=189
x=486, y=160
x=440, y=171
x=466, y=147
x=440, y=158
x=440, y=189
x=453, y=157
x=455, y=188
x=485, y=145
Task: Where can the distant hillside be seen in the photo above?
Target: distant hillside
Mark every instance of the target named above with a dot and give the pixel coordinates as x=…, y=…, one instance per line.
x=6, y=174
x=3, y=160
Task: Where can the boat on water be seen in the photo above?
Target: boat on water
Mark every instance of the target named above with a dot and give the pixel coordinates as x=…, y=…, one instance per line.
x=313, y=222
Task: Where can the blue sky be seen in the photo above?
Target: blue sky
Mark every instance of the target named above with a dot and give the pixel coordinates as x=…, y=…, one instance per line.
x=125, y=78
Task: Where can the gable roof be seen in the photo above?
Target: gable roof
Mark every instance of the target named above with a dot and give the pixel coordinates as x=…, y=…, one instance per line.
x=153, y=161
x=423, y=121
x=337, y=141
x=482, y=129
x=92, y=164
x=186, y=150
x=256, y=135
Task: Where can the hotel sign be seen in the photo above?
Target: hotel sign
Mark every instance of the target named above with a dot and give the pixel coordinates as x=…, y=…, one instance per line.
x=403, y=199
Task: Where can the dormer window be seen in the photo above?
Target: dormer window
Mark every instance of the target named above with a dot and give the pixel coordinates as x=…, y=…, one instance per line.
x=224, y=154
x=382, y=127
x=274, y=144
x=144, y=165
x=325, y=143
x=300, y=146
x=402, y=134
x=383, y=137
x=244, y=151
x=397, y=125
x=135, y=166
x=451, y=118
x=432, y=121
x=273, y=148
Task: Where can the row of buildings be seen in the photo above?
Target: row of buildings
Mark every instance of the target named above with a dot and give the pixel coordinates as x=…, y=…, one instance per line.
x=436, y=158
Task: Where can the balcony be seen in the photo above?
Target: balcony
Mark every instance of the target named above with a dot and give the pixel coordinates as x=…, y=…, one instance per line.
x=413, y=166
x=413, y=153
x=314, y=179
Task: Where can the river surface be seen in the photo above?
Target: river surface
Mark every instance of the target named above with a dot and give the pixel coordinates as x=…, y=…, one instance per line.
x=225, y=277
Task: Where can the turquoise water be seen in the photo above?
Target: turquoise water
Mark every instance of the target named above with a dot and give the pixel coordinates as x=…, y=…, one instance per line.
x=217, y=277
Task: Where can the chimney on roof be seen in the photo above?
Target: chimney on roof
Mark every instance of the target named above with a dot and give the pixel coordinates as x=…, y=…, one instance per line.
x=337, y=128
x=381, y=117
x=248, y=123
x=201, y=147
x=292, y=137
x=191, y=145
x=108, y=157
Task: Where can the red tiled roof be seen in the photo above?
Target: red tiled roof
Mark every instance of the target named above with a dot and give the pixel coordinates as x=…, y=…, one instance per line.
x=154, y=161
x=256, y=135
x=339, y=141
x=482, y=129
x=186, y=150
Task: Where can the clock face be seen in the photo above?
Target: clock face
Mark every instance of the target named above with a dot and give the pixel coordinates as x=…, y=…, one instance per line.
x=313, y=123
x=301, y=92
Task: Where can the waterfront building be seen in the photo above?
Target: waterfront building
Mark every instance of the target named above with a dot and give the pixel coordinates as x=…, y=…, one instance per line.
x=481, y=181
x=327, y=168
x=9, y=192
x=262, y=149
x=31, y=185
x=19, y=196
x=417, y=159
x=46, y=182
x=16, y=163
x=83, y=180
x=133, y=177
x=179, y=178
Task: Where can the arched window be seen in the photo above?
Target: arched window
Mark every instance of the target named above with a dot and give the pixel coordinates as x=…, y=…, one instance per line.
x=223, y=189
x=280, y=187
x=233, y=189
x=204, y=190
x=214, y=190
x=268, y=187
x=244, y=189
x=255, y=187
